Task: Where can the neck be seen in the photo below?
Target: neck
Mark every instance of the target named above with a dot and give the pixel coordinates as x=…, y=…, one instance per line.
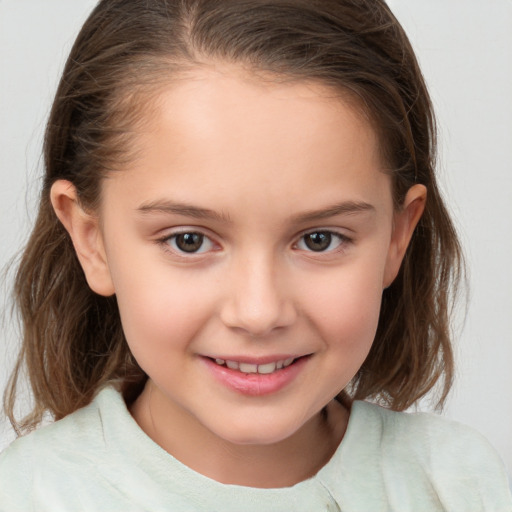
x=281, y=464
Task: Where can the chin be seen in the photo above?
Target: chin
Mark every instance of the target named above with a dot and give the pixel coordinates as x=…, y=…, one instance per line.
x=256, y=433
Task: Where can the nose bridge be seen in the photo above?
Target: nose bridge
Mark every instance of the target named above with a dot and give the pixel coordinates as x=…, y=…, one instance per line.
x=259, y=299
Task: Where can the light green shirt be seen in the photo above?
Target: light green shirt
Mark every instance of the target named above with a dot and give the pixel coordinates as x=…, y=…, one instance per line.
x=99, y=460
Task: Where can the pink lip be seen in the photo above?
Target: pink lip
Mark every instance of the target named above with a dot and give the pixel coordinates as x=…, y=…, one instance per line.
x=254, y=360
x=255, y=384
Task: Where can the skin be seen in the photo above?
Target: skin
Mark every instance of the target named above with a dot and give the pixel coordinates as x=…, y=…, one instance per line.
x=270, y=163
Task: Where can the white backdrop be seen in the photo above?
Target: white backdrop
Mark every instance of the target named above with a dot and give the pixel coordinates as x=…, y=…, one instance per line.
x=465, y=48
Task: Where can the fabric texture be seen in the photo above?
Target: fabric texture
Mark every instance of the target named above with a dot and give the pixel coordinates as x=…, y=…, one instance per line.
x=98, y=459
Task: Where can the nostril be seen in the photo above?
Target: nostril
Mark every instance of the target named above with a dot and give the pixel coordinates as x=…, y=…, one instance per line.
x=257, y=299
x=258, y=320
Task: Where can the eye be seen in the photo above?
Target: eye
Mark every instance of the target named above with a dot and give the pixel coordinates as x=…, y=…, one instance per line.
x=190, y=242
x=321, y=241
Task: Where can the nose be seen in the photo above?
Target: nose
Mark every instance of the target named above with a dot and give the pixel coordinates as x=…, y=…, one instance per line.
x=258, y=301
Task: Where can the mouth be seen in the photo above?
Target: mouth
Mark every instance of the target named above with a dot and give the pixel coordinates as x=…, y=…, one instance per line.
x=262, y=369
x=258, y=376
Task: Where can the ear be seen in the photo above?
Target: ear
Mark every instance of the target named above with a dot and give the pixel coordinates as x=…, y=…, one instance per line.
x=404, y=223
x=85, y=233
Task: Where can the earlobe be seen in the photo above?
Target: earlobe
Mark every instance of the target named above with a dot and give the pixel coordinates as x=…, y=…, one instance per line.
x=405, y=221
x=85, y=233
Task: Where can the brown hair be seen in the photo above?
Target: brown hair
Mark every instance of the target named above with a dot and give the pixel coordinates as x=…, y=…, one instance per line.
x=73, y=343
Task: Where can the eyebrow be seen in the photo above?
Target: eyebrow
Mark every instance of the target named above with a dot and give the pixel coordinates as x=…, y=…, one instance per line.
x=187, y=210
x=344, y=208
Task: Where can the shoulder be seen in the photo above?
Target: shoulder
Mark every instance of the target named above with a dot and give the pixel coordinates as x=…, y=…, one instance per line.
x=82, y=426
x=429, y=436
x=456, y=463
x=37, y=463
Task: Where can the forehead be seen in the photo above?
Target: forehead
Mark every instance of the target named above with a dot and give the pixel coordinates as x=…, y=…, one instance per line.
x=224, y=128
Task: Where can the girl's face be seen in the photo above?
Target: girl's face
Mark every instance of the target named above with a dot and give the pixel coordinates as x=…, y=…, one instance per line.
x=248, y=245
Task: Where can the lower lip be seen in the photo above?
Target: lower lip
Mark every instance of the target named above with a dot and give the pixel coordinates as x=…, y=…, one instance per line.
x=255, y=384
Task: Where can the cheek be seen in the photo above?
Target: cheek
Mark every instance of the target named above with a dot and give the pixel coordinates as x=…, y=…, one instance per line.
x=159, y=309
x=346, y=309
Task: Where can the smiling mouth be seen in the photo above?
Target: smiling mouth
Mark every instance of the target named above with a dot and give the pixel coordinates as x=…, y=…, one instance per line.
x=264, y=369
x=259, y=376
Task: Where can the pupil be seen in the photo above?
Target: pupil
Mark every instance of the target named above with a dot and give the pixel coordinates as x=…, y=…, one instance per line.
x=318, y=241
x=189, y=242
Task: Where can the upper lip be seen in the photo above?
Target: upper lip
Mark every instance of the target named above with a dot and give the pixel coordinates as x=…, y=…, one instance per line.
x=258, y=360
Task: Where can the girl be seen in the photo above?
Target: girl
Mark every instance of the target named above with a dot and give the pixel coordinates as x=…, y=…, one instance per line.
x=240, y=239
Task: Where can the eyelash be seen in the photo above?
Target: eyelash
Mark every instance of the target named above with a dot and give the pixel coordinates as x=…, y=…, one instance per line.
x=169, y=242
x=342, y=240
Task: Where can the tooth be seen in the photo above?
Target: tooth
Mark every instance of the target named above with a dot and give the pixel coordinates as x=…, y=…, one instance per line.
x=288, y=362
x=248, y=368
x=232, y=364
x=220, y=361
x=267, y=368
x=279, y=365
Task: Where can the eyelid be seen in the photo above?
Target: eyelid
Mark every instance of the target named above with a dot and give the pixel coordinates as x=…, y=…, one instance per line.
x=342, y=237
x=173, y=233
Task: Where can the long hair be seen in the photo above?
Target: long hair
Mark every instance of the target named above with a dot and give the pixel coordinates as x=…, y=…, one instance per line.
x=73, y=342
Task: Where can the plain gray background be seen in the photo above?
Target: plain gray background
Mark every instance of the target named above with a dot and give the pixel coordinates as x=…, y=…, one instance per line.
x=465, y=48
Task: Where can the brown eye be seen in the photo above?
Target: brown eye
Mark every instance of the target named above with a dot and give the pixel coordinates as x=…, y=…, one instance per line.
x=321, y=241
x=190, y=242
